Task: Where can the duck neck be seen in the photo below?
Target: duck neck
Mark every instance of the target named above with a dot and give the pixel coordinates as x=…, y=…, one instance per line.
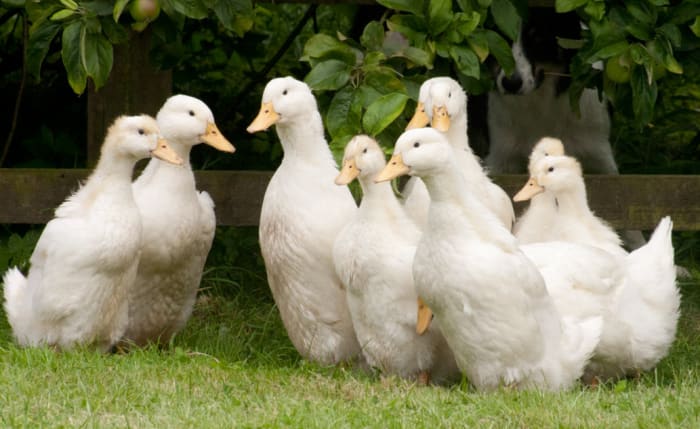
x=175, y=176
x=302, y=138
x=378, y=195
x=443, y=185
x=113, y=167
x=573, y=201
x=467, y=161
x=457, y=133
x=448, y=187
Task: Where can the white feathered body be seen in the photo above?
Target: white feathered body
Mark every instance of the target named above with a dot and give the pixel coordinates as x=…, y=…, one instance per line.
x=492, y=304
x=302, y=213
x=81, y=268
x=635, y=294
x=178, y=229
x=374, y=257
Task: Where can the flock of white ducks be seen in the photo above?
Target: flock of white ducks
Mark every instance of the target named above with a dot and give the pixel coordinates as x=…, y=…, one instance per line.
x=552, y=301
x=122, y=262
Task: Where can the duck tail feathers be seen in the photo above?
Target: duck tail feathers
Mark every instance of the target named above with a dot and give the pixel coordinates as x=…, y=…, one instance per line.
x=15, y=290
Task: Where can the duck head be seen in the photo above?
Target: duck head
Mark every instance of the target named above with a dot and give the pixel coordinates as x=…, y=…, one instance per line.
x=417, y=152
x=138, y=137
x=284, y=99
x=546, y=146
x=362, y=158
x=188, y=121
x=556, y=174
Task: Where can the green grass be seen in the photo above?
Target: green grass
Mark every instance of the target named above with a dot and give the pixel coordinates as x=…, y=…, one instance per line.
x=233, y=366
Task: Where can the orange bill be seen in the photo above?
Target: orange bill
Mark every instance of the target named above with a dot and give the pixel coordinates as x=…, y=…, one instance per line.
x=394, y=168
x=213, y=137
x=441, y=119
x=528, y=191
x=265, y=119
x=419, y=119
x=164, y=152
x=348, y=173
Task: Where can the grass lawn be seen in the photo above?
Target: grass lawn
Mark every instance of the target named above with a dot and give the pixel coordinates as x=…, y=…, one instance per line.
x=233, y=366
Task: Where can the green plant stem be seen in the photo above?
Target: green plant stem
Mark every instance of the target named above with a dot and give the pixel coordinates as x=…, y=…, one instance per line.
x=262, y=74
x=20, y=92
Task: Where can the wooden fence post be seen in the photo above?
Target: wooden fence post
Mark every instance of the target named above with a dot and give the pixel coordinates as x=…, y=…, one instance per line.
x=133, y=87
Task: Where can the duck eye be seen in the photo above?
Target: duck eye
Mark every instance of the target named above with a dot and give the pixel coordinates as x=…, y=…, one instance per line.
x=284, y=92
x=550, y=169
x=141, y=131
x=449, y=95
x=364, y=151
x=546, y=154
x=191, y=112
x=416, y=144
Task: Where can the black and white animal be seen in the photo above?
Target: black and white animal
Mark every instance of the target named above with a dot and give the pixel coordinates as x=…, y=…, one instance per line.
x=533, y=102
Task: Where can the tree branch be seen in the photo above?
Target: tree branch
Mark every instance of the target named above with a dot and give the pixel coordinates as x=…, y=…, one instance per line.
x=262, y=74
x=20, y=92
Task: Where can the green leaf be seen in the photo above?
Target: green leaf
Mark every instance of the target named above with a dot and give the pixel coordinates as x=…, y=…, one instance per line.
x=195, y=9
x=480, y=45
x=672, y=32
x=119, y=6
x=695, y=28
x=609, y=51
x=562, y=6
x=40, y=38
x=372, y=36
x=384, y=80
x=328, y=75
x=412, y=27
x=70, y=54
x=419, y=57
x=466, y=60
x=62, y=14
x=373, y=60
x=639, y=54
x=228, y=11
x=383, y=112
x=467, y=23
x=570, y=43
x=40, y=11
x=682, y=12
x=413, y=6
x=641, y=11
x=115, y=33
x=97, y=55
x=643, y=95
x=439, y=15
x=344, y=114
x=98, y=7
x=13, y=4
x=506, y=17
x=595, y=9
x=323, y=46
x=500, y=49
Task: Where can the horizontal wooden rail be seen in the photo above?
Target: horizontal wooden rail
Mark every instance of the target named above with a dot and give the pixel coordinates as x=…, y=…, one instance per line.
x=627, y=201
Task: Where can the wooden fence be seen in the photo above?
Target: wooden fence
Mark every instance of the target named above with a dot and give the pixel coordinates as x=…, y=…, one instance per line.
x=627, y=201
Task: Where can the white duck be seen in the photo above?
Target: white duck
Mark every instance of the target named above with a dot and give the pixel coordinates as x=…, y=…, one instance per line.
x=373, y=256
x=489, y=298
x=301, y=215
x=641, y=308
x=442, y=101
x=86, y=258
x=178, y=222
x=559, y=205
